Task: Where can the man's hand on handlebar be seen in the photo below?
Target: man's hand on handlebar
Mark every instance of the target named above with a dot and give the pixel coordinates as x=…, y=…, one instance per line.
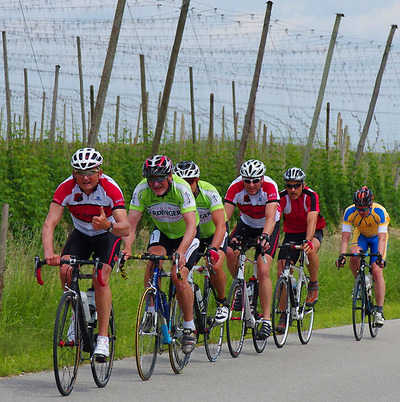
x=341, y=261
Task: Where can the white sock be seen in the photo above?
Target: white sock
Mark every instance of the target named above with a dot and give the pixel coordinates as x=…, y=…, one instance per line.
x=188, y=324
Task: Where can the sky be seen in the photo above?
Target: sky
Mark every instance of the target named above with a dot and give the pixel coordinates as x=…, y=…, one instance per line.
x=220, y=42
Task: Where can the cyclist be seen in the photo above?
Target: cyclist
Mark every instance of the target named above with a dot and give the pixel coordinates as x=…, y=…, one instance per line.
x=370, y=221
x=172, y=207
x=302, y=222
x=257, y=199
x=97, y=208
x=213, y=229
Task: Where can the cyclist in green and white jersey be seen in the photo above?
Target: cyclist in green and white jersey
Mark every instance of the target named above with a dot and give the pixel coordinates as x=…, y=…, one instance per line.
x=172, y=207
x=213, y=229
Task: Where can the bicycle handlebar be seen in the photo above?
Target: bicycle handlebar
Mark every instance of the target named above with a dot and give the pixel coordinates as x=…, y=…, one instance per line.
x=362, y=254
x=71, y=261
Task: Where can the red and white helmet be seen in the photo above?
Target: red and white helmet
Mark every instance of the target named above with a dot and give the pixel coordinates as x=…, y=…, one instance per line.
x=157, y=165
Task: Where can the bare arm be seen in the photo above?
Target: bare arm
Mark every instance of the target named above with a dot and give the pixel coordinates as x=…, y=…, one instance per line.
x=312, y=217
x=345, y=242
x=229, y=208
x=133, y=218
x=218, y=217
x=53, y=218
x=270, y=215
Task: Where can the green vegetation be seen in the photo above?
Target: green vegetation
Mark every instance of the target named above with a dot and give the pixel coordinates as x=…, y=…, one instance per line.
x=30, y=172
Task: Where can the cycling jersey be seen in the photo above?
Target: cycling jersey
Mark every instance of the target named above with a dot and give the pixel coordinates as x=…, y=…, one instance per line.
x=83, y=207
x=207, y=201
x=375, y=222
x=295, y=211
x=166, y=211
x=252, y=207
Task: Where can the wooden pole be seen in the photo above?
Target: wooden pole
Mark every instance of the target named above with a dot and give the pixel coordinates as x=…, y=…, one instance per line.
x=42, y=118
x=211, y=125
x=144, y=99
x=8, y=92
x=253, y=92
x=106, y=74
x=26, y=107
x=374, y=98
x=170, y=77
x=117, y=121
x=3, y=247
x=78, y=43
x=192, y=104
x=54, y=106
x=327, y=128
x=235, y=121
x=317, y=110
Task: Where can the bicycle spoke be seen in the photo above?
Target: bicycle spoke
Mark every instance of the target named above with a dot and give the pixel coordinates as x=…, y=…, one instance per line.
x=280, y=312
x=306, y=315
x=358, y=308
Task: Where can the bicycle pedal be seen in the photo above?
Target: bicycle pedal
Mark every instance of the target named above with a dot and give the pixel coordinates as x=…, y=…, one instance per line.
x=100, y=358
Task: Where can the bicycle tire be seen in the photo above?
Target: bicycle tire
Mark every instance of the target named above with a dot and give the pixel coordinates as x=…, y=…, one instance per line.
x=66, y=343
x=259, y=344
x=373, y=329
x=235, y=324
x=213, y=333
x=358, y=307
x=305, y=323
x=280, y=308
x=146, y=335
x=102, y=368
x=177, y=358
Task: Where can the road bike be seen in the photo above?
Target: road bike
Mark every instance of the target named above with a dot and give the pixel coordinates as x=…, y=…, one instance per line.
x=289, y=300
x=75, y=329
x=159, y=320
x=363, y=295
x=205, y=307
x=244, y=306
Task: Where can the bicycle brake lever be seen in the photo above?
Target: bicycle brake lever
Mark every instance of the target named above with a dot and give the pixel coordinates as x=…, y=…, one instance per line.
x=38, y=270
x=99, y=272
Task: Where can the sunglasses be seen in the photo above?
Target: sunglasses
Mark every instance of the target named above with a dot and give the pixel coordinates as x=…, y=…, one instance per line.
x=158, y=179
x=295, y=186
x=84, y=173
x=362, y=209
x=190, y=181
x=248, y=181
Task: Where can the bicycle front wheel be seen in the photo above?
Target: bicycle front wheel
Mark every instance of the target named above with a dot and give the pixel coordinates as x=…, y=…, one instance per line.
x=259, y=344
x=280, y=312
x=146, y=335
x=213, y=333
x=66, y=343
x=101, y=368
x=177, y=358
x=235, y=324
x=306, y=314
x=373, y=329
x=358, y=308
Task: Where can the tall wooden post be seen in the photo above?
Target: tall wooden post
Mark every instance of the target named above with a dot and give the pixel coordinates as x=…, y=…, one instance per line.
x=144, y=99
x=7, y=84
x=117, y=120
x=26, y=106
x=317, y=110
x=42, y=117
x=211, y=126
x=78, y=43
x=54, y=106
x=106, y=74
x=170, y=77
x=253, y=92
x=192, y=104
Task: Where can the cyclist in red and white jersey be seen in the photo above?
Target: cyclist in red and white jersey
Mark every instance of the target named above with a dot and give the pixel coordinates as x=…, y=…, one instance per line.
x=257, y=199
x=302, y=222
x=97, y=208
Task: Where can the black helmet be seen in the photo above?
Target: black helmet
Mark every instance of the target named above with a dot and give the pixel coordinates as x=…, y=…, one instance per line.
x=157, y=165
x=363, y=197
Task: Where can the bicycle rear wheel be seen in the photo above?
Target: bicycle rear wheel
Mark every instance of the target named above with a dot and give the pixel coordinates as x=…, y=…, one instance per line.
x=101, y=368
x=146, y=335
x=306, y=314
x=259, y=344
x=66, y=343
x=213, y=333
x=373, y=329
x=177, y=358
x=280, y=312
x=358, y=308
x=235, y=324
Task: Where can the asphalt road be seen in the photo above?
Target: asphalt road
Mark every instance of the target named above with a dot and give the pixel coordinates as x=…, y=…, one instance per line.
x=332, y=367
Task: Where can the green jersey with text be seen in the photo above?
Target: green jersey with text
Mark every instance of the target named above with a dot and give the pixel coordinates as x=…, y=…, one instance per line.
x=207, y=201
x=166, y=211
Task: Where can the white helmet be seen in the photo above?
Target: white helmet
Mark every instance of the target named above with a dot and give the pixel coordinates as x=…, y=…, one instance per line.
x=294, y=174
x=86, y=158
x=187, y=170
x=252, y=169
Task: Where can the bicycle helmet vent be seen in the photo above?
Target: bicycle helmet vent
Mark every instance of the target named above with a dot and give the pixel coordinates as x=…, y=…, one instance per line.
x=252, y=169
x=294, y=174
x=86, y=158
x=187, y=170
x=157, y=165
x=363, y=197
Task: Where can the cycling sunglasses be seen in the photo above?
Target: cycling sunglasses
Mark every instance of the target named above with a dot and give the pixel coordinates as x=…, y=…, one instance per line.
x=84, y=173
x=362, y=209
x=158, y=179
x=295, y=186
x=248, y=181
x=190, y=181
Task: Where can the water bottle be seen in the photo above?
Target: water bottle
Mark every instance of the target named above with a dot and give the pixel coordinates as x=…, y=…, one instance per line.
x=85, y=305
x=294, y=285
x=368, y=283
x=199, y=297
x=250, y=291
x=92, y=305
x=164, y=305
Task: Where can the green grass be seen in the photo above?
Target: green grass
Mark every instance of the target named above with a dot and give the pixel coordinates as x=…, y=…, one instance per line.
x=28, y=310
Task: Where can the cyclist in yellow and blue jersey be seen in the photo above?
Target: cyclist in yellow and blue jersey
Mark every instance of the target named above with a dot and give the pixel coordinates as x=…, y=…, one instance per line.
x=370, y=221
x=213, y=229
